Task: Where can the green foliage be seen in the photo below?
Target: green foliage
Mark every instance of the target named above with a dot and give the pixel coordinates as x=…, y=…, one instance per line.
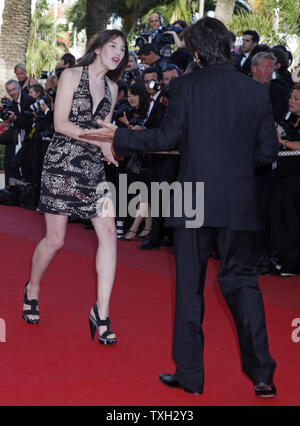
x=265, y=20
x=76, y=15
x=290, y=15
x=44, y=46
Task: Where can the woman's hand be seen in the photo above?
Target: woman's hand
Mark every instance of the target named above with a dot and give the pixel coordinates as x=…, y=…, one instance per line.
x=108, y=153
x=124, y=119
x=177, y=40
x=105, y=134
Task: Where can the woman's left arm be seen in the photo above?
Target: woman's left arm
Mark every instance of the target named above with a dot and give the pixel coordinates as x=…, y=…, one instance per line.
x=106, y=148
x=292, y=146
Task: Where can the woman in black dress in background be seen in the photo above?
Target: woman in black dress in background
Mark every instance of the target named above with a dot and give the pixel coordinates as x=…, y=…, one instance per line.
x=73, y=180
x=285, y=200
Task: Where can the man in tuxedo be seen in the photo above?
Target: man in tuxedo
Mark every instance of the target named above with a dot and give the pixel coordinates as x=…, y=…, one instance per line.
x=220, y=146
x=250, y=41
x=20, y=126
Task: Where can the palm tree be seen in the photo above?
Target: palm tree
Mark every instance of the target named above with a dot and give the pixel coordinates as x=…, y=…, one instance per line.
x=224, y=10
x=96, y=17
x=14, y=35
x=44, y=47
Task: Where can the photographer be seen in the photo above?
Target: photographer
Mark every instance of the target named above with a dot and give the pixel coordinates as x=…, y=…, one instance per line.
x=285, y=206
x=137, y=164
x=132, y=70
x=178, y=33
x=24, y=81
x=149, y=55
x=40, y=136
x=66, y=61
x=20, y=121
x=161, y=167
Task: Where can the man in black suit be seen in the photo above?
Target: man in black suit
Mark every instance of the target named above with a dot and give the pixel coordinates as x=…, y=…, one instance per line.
x=149, y=55
x=250, y=41
x=20, y=126
x=223, y=123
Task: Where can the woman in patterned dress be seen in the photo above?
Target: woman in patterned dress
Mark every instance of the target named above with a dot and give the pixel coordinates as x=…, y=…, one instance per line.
x=73, y=180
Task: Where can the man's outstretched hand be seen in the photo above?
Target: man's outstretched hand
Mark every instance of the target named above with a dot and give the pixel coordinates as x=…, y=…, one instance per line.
x=105, y=133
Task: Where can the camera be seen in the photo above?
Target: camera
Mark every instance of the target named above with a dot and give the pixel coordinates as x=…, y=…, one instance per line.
x=36, y=107
x=164, y=41
x=159, y=87
x=168, y=38
x=46, y=74
x=121, y=107
x=52, y=94
x=5, y=109
x=144, y=37
x=136, y=121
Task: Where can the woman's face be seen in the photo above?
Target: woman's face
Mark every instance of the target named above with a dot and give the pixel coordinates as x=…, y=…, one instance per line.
x=133, y=100
x=112, y=53
x=294, y=102
x=21, y=74
x=33, y=93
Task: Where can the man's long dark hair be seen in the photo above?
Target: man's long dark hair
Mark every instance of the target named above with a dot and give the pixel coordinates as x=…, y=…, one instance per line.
x=210, y=38
x=98, y=41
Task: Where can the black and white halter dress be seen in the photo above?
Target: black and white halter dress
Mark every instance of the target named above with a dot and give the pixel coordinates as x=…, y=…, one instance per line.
x=73, y=179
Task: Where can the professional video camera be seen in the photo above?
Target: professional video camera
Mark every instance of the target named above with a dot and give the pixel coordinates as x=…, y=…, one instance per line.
x=5, y=109
x=144, y=36
x=164, y=41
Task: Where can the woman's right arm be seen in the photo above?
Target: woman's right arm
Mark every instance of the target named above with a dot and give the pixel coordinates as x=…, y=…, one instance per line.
x=67, y=84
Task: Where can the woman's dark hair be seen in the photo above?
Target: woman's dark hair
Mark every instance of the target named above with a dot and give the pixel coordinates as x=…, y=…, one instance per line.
x=139, y=89
x=182, y=23
x=211, y=40
x=38, y=89
x=98, y=41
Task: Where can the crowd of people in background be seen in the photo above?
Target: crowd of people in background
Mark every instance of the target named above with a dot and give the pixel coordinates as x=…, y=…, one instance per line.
x=142, y=102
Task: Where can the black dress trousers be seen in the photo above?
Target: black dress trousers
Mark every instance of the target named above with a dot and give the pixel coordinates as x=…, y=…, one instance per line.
x=239, y=286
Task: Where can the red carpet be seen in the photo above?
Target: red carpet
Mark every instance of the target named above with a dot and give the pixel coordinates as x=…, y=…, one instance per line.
x=56, y=363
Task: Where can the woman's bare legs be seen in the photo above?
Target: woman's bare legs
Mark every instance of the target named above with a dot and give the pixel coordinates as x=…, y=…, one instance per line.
x=106, y=260
x=143, y=213
x=45, y=251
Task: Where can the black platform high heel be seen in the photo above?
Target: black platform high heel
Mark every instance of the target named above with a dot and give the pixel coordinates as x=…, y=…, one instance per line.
x=96, y=323
x=33, y=311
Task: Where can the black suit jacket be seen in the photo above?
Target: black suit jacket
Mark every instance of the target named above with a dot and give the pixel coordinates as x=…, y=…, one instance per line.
x=12, y=162
x=246, y=67
x=224, y=125
x=156, y=114
x=22, y=121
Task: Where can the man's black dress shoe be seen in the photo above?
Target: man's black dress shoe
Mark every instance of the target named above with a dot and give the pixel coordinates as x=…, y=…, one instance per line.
x=148, y=245
x=264, y=390
x=166, y=242
x=171, y=381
